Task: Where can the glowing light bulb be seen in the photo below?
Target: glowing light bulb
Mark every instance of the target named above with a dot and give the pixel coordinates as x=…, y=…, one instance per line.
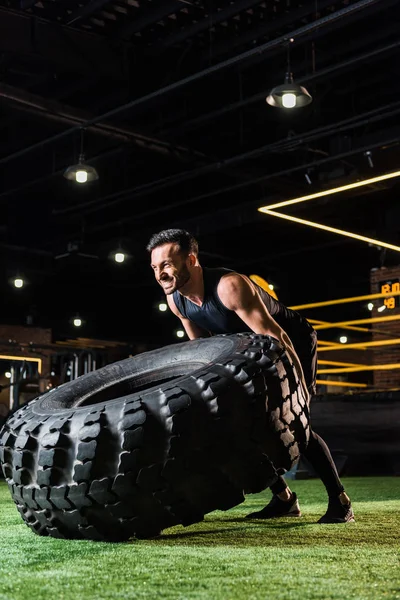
x=270, y=285
x=18, y=282
x=119, y=257
x=180, y=333
x=162, y=306
x=370, y=306
x=289, y=100
x=381, y=308
x=77, y=322
x=7, y=374
x=81, y=176
x=343, y=339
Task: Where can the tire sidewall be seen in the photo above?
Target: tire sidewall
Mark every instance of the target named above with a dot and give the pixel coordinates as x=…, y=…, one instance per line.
x=188, y=357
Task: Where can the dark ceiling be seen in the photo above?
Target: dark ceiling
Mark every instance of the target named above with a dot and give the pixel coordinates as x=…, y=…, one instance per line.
x=171, y=96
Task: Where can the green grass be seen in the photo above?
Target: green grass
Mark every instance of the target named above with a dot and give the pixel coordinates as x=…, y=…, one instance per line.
x=223, y=558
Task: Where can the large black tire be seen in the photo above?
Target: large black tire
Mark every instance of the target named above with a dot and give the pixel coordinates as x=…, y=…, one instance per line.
x=156, y=440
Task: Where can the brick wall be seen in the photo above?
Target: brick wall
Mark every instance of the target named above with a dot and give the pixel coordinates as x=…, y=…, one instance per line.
x=383, y=331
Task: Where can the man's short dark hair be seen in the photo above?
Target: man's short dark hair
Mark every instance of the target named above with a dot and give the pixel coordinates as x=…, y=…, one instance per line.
x=186, y=242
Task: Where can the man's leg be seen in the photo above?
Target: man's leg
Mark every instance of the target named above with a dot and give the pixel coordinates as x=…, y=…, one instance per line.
x=320, y=458
x=317, y=452
x=284, y=503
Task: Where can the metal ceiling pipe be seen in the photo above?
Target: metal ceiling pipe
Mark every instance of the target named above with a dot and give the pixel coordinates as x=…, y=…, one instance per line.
x=335, y=32
x=276, y=146
x=269, y=27
x=73, y=49
x=279, y=146
x=343, y=155
x=317, y=75
x=217, y=16
x=25, y=4
x=51, y=109
x=359, y=150
x=25, y=250
x=84, y=11
x=140, y=21
x=306, y=29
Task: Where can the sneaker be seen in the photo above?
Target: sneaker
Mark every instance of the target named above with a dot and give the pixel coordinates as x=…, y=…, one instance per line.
x=278, y=508
x=338, y=513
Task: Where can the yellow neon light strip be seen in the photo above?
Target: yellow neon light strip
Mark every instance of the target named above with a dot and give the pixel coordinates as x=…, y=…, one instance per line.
x=22, y=358
x=352, y=328
x=329, y=345
x=345, y=323
x=341, y=383
x=361, y=345
x=343, y=300
x=342, y=188
x=336, y=345
x=388, y=367
x=354, y=236
x=339, y=364
x=314, y=323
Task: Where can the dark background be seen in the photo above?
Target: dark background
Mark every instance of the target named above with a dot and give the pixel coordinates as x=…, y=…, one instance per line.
x=202, y=155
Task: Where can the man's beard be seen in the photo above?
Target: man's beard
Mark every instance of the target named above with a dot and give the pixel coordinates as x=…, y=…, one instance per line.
x=181, y=278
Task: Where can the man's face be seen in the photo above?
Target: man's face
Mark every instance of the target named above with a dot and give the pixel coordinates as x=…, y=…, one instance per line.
x=171, y=267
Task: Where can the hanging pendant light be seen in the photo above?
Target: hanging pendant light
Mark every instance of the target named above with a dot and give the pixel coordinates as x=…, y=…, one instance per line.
x=289, y=94
x=81, y=173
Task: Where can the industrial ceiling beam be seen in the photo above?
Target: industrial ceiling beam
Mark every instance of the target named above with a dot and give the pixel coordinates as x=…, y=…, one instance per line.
x=271, y=26
x=386, y=137
x=320, y=75
x=53, y=110
x=26, y=4
x=25, y=250
x=86, y=10
x=392, y=139
x=217, y=16
x=288, y=20
x=72, y=49
x=318, y=24
x=149, y=16
x=283, y=145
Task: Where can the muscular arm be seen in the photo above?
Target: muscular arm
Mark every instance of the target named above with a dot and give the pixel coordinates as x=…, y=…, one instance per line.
x=237, y=293
x=193, y=331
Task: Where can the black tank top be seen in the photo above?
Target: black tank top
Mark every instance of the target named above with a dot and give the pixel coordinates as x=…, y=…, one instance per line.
x=213, y=316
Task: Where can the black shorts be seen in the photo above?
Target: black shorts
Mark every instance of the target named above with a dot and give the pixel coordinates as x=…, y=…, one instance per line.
x=304, y=339
x=307, y=353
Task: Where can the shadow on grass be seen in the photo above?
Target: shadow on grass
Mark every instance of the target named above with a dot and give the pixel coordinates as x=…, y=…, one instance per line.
x=285, y=523
x=289, y=533
x=244, y=535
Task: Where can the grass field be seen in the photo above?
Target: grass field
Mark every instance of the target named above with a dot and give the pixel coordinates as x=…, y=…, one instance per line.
x=222, y=558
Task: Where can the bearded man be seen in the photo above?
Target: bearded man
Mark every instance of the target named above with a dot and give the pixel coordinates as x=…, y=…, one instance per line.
x=215, y=301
